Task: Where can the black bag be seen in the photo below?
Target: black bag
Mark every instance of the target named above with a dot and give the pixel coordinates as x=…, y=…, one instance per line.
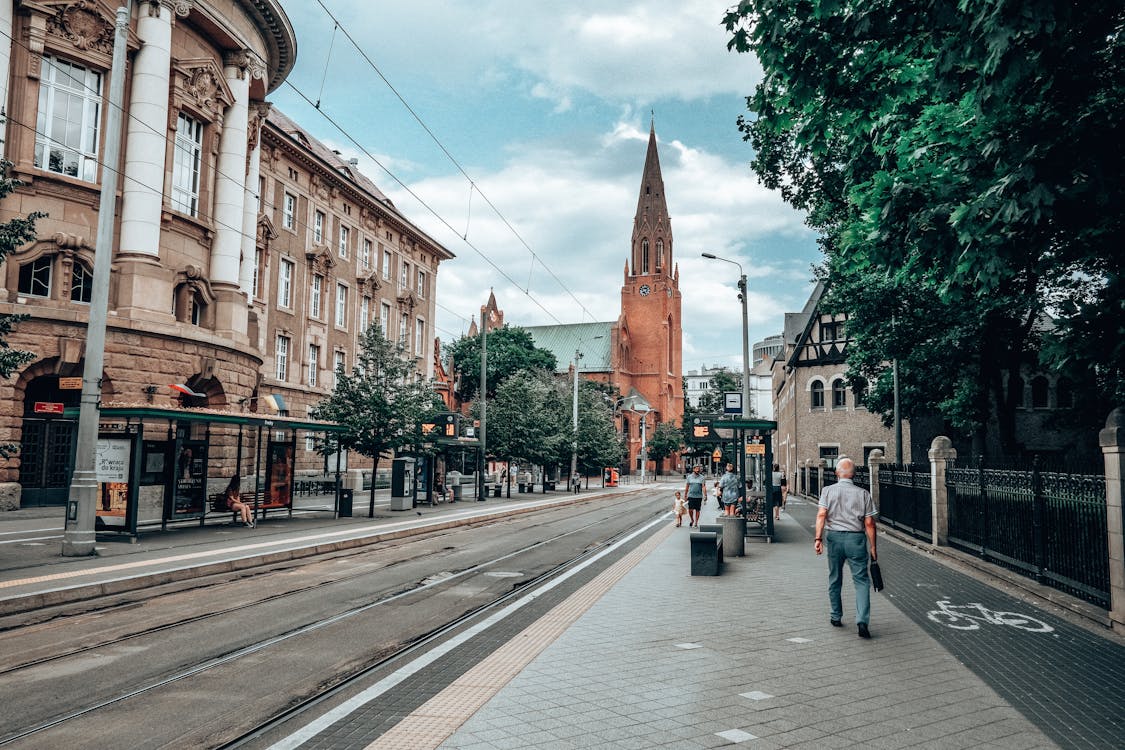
x=876, y=576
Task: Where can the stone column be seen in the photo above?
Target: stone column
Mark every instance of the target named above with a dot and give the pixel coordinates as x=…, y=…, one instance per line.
x=875, y=461
x=6, y=26
x=942, y=456
x=1112, y=441
x=258, y=113
x=142, y=289
x=230, y=196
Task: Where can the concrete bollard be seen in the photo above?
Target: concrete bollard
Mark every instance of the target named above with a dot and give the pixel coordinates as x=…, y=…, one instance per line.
x=734, y=536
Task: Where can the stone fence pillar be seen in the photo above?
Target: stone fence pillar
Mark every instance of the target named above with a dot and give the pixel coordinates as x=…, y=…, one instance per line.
x=942, y=454
x=875, y=461
x=1112, y=441
x=820, y=474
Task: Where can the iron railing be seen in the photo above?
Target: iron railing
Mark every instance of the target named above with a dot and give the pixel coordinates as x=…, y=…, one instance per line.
x=905, y=500
x=862, y=477
x=1047, y=525
x=814, y=483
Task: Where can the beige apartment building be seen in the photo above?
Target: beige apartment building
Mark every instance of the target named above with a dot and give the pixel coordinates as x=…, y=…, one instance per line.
x=248, y=257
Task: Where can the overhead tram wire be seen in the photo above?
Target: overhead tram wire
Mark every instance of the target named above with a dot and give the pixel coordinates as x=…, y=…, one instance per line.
x=472, y=183
x=421, y=201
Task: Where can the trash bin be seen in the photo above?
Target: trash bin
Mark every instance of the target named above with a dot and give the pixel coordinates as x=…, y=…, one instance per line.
x=345, y=503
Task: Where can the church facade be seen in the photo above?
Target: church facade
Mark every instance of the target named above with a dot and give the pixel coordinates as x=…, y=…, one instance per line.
x=641, y=352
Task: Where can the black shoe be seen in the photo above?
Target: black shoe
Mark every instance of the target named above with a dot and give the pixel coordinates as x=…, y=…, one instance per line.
x=836, y=623
x=863, y=631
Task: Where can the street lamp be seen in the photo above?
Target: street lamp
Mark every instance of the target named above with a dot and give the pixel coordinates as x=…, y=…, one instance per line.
x=742, y=295
x=643, y=411
x=574, y=443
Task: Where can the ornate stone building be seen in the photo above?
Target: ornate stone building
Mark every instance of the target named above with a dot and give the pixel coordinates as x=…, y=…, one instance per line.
x=247, y=256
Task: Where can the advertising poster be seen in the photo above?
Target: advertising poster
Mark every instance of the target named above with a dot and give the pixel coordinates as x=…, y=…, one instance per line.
x=111, y=465
x=279, y=468
x=190, y=479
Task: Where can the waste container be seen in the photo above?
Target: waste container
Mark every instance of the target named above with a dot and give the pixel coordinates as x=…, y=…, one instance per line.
x=453, y=481
x=345, y=510
x=402, y=483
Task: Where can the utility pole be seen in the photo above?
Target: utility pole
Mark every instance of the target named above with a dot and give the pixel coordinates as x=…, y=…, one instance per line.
x=79, y=535
x=574, y=443
x=483, y=405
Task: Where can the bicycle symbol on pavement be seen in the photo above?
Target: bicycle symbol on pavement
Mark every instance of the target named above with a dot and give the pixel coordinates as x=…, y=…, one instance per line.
x=970, y=616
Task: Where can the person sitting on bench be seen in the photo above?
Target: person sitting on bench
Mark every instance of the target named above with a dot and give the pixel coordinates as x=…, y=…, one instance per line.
x=234, y=502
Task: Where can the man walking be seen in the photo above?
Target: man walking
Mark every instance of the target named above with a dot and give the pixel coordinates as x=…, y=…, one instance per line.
x=693, y=492
x=846, y=524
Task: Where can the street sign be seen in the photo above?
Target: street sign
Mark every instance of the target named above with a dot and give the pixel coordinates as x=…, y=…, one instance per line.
x=701, y=430
x=717, y=455
x=732, y=402
x=70, y=384
x=755, y=449
x=750, y=424
x=48, y=407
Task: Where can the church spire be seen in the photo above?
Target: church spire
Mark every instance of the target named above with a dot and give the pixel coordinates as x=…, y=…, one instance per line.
x=652, y=227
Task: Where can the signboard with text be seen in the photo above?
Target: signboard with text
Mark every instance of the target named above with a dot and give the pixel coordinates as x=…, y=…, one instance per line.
x=48, y=407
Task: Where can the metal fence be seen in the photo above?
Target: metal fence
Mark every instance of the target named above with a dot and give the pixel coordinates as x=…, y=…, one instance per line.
x=1048, y=525
x=862, y=477
x=814, y=482
x=905, y=500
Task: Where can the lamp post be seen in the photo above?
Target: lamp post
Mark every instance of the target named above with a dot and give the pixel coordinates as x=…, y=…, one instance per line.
x=742, y=295
x=574, y=442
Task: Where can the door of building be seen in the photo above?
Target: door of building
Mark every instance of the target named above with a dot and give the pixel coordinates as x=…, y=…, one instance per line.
x=46, y=460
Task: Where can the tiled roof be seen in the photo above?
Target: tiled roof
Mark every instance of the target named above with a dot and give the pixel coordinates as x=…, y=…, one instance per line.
x=592, y=339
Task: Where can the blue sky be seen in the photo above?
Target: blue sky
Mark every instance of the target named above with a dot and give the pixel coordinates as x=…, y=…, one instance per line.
x=547, y=106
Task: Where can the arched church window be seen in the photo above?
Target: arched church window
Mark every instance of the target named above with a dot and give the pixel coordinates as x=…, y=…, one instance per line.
x=81, y=283
x=35, y=277
x=659, y=254
x=644, y=255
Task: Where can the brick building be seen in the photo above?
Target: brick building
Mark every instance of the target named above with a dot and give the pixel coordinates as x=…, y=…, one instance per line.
x=247, y=256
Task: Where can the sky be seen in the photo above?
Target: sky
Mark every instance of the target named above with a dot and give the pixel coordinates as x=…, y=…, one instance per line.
x=514, y=133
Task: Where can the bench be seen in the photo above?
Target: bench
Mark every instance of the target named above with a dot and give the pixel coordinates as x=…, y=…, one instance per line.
x=707, y=550
x=219, y=504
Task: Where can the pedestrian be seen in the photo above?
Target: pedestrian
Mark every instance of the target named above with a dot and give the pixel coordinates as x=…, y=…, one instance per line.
x=845, y=524
x=784, y=490
x=694, y=490
x=778, y=491
x=679, y=508
x=731, y=487
x=233, y=497
x=717, y=493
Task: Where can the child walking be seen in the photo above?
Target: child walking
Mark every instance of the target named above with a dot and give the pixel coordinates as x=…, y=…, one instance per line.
x=679, y=508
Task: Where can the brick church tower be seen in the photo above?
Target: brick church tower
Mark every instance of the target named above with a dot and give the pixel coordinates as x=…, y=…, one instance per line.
x=648, y=346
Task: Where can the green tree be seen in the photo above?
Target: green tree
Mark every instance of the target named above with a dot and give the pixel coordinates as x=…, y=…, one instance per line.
x=529, y=419
x=665, y=440
x=510, y=349
x=958, y=156
x=599, y=443
x=13, y=233
x=380, y=405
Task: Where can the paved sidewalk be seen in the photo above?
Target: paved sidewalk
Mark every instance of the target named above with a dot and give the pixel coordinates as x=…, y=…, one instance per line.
x=664, y=660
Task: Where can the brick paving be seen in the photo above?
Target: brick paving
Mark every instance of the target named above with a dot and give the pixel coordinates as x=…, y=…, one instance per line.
x=664, y=660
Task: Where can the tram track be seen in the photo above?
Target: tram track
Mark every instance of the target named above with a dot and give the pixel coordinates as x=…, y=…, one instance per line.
x=330, y=685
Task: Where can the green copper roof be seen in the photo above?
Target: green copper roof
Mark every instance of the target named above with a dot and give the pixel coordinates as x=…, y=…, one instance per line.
x=592, y=339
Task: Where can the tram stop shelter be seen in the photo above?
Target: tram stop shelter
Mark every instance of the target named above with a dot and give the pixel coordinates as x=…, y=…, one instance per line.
x=157, y=466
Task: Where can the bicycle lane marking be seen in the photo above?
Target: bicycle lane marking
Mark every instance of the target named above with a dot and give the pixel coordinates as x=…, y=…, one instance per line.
x=1067, y=681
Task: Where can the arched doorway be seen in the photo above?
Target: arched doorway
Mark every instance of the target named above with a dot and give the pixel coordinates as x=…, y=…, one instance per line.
x=47, y=442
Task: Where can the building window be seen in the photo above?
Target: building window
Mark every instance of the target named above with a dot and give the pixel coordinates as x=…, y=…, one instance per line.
x=419, y=337
x=341, y=305
x=257, y=272
x=363, y=314
x=404, y=276
x=421, y=283
x=344, y=232
x=289, y=211
x=1039, y=388
x=281, y=357
x=366, y=257
x=816, y=395
x=318, y=227
x=839, y=394
x=659, y=254
x=386, y=265
x=315, y=293
x=35, y=277
x=185, y=165
x=859, y=392
x=385, y=320
x=339, y=367
x=644, y=255
x=285, y=284
x=867, y=452
x=830, y=454
x=403, y=341
x=66, y=134
x=314, y=363
x=81, y=283
x=831, y=330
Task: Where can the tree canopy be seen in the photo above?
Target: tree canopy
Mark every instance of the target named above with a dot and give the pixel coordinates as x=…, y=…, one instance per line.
x=510, y=349
x=721, y=382
x=665, y=440
x=529, y=418
x=961, y=162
